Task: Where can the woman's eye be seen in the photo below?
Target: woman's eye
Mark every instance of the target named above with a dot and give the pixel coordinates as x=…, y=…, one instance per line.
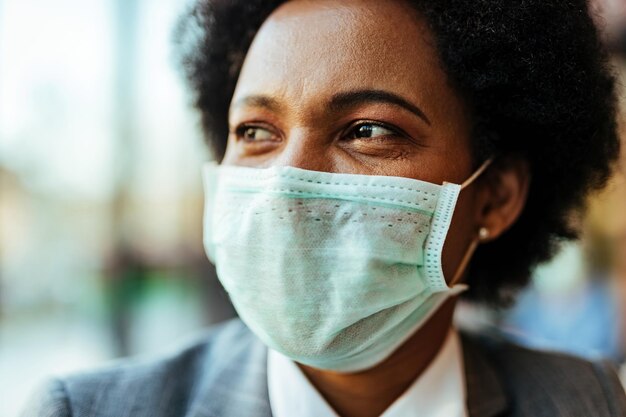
x=370, y=130
x=254, y=134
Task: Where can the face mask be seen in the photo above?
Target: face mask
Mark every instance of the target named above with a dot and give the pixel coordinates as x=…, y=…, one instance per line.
x=334, y=271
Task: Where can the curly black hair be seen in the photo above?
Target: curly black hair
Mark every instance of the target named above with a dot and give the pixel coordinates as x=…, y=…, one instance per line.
x=534, y=74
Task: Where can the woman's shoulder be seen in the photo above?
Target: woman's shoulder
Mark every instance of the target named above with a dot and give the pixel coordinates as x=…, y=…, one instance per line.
x=165, y=384
x=209, y=370
x=542, y=382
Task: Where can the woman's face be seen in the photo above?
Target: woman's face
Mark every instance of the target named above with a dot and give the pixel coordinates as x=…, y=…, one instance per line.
x=353, y=86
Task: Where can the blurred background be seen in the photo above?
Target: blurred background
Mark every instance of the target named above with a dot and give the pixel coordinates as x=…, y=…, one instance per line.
x=100, y=190
x=101, y=203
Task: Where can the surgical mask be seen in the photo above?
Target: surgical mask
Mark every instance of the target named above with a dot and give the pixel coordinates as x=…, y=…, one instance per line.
x=335, y=271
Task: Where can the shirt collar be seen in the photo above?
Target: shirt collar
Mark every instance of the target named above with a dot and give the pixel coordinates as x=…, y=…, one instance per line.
x=438, y=392
x=234, y=378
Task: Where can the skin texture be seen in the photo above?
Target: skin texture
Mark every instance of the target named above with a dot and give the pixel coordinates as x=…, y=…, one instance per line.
x=299, y=101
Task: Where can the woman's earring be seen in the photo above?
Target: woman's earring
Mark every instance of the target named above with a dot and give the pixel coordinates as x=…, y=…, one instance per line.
x=483, y=234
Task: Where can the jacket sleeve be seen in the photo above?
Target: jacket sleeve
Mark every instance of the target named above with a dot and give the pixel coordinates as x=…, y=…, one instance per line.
x=612, y=388
x=50, y=400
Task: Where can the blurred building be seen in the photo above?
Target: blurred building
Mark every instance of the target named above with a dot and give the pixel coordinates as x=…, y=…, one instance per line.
x=100, y=190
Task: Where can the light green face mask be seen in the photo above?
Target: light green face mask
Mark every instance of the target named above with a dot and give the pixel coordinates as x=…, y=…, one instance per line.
x=335, y=271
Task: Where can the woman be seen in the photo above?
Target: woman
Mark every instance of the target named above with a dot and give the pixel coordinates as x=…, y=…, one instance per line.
x=358, y=137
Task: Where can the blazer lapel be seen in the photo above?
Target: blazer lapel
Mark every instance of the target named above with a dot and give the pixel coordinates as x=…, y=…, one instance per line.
x=235, y=382
x=486, y=396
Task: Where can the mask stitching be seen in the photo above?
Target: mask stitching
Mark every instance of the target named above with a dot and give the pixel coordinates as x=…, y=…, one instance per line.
x=346, y=184
x=336, y=196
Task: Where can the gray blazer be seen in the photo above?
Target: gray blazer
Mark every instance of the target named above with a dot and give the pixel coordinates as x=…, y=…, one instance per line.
x=223, y=374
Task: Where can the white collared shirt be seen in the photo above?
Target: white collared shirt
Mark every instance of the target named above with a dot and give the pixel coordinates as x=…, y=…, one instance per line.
x=438, y=392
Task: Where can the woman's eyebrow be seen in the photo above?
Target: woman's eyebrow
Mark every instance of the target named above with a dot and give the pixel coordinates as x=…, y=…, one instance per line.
x=343, y=101
x=258, y=101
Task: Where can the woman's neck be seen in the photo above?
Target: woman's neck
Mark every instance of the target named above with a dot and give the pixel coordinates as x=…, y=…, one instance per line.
x=371, y=392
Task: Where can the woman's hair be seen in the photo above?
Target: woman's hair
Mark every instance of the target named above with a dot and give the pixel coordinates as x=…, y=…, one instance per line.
x=532, y=72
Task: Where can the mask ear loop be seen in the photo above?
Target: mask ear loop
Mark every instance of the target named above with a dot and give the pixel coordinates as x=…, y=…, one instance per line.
x=483, y=232
x=483, y=167
x=483, y=235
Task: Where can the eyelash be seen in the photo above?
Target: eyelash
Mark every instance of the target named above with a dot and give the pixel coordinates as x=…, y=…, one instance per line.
x=240, y=130
x=356, y=125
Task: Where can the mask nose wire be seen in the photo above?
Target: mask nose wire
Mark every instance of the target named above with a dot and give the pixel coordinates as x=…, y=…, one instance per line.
x=481, y=235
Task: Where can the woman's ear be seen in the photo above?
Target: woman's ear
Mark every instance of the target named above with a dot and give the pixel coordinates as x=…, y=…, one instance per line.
x=502, y=196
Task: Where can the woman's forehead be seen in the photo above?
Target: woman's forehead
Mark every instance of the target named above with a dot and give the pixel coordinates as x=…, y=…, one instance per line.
x=317, y=48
